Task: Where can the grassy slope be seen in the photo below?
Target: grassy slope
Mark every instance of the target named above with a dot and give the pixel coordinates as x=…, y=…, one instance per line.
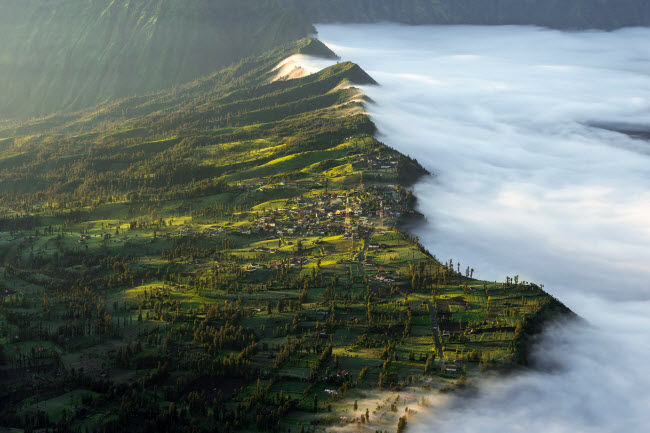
x=63, y=55
x=180, y=246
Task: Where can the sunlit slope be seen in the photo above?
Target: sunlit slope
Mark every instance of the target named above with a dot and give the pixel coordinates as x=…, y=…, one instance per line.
x=123, y=147
x=67, y=54
x=584, y=14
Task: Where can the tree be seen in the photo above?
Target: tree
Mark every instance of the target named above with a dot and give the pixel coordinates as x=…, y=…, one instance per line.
x=427, y=365
x=401, y=424
x=46, y=304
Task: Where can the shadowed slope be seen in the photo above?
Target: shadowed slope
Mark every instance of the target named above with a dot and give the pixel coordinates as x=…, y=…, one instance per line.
x=63, y=55
x=603, y=14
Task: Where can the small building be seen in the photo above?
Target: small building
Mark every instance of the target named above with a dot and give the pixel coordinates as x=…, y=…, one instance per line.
x=450, y=368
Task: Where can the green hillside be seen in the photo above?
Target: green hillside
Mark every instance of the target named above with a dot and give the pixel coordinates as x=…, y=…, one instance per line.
x=227, y=256
x=65, y=55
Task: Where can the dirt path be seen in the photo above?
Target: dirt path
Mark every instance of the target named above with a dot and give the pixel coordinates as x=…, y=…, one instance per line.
x=436, y=332
x=362, y=255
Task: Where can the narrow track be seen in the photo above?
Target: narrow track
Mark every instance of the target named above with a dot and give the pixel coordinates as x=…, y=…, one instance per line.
x=436, y=332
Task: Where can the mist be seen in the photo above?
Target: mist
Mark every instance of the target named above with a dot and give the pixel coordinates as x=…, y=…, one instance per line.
x=520, y=128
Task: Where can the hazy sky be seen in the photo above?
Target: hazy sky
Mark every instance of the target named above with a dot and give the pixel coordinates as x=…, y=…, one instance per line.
x=523, y=185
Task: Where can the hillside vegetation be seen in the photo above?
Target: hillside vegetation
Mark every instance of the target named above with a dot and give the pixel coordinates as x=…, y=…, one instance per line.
x=62, y=55
x=226, y=256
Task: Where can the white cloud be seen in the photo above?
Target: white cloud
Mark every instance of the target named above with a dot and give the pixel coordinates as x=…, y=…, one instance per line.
x=525, y=186
x=300, y=65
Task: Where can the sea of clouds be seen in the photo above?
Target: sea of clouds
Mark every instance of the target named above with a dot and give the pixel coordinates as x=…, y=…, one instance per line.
x=526, y=183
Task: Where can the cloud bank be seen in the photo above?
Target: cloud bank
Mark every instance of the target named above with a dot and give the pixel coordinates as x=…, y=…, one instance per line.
x=527, y=183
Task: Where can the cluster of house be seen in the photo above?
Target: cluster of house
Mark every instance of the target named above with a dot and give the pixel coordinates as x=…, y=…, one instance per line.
x=327, y=214
x=265, y=250
x=384, y=279
x=377, y=162
x=213, y=231
x=324, y=214
x=294, y=262
x=337, y=379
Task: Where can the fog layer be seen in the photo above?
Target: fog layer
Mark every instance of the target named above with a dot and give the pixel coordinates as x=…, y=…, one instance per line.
x=526, y=184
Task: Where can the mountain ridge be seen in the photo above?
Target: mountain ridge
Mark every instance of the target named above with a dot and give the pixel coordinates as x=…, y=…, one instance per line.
x=560, y=14
x=62, y=56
